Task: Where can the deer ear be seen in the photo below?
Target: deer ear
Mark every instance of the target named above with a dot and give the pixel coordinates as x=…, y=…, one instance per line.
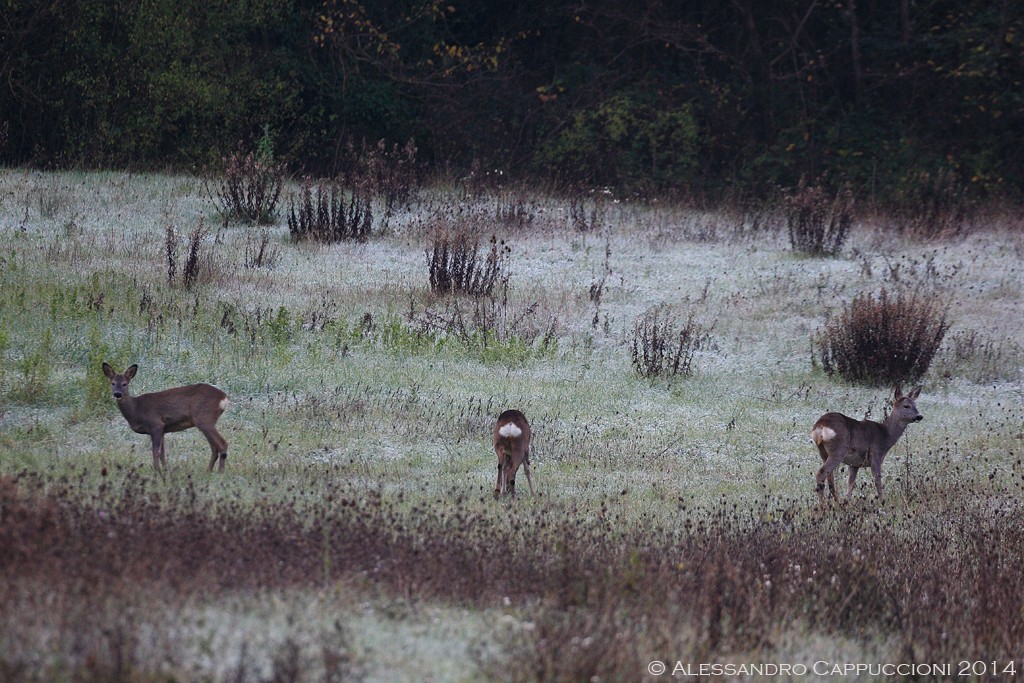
x=130, y=372
x=914, y=393
x=108, y=371
x=897, y=394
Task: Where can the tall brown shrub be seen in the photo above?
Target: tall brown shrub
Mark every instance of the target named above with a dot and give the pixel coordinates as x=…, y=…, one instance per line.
x=887, y=339
x=327, y=215
x=818, y=220
x=249, y=188
x=455, y=266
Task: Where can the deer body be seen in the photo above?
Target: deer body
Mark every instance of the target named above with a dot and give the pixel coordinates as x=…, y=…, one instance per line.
x=842, y=440
x=512, y=446
x=171, y=410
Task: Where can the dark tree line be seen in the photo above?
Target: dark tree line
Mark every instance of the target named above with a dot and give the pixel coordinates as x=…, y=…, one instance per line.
x=698, y=96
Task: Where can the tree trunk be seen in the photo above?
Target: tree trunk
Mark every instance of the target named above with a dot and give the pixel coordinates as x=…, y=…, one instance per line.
x=858, y=67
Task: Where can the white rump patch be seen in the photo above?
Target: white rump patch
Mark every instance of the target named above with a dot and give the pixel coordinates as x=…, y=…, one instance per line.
x=510, y=429
x=823, y=434
x=224, y=403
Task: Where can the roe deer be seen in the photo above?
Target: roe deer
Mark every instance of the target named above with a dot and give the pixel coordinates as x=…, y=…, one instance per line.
x=842, y=440
x=172, y=410
x=512, y=444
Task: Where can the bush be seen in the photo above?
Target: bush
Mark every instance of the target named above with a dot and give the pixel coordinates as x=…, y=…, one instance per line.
x=888, y=340
x=389, y=173
x=329, y=217
x=197, y=263
x=453, y=262
x=934, y=206
x=818, y=221
x=661, y=347
x=250, y=187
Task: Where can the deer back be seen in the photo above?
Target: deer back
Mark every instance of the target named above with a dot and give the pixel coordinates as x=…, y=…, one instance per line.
x=861, y=435
x=512, y=436
x=175, y=409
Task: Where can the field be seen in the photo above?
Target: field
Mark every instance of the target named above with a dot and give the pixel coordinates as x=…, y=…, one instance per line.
x=354, y=534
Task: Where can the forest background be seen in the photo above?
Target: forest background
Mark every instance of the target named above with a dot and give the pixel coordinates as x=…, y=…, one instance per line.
x=700, y=99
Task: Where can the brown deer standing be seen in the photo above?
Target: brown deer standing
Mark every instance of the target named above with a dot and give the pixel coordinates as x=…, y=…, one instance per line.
x=842, y=440
x=512, y=444
x=172, y=410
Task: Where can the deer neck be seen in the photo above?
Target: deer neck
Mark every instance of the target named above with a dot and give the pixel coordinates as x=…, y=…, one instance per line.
x=893, y=429
x=129, y=409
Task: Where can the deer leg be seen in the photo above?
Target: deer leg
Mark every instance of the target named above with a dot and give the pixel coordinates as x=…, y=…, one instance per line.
x=498, y=483
x=157, y=439
x=853, y=480
x=218, y=446
x=504, y=460
x=826, y=473
x=820, y=486
x=526, y=468
x=876, y=471
x=213, y=457
x=832, y=452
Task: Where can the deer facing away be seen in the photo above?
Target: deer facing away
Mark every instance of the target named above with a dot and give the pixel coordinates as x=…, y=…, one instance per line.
x=842, y=440
x=171, y=410
x=512, y=445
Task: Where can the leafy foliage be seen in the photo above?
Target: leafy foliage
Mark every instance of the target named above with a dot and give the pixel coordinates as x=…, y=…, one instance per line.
x=626, y=144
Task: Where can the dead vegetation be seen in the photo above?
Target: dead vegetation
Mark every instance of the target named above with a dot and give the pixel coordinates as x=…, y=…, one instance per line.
x=605, y=598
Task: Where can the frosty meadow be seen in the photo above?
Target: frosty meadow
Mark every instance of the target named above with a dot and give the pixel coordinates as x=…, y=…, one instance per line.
x=355, y=535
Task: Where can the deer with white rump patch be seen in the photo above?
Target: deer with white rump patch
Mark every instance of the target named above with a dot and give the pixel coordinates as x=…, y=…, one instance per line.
x=842, y=440
x=171, y=410
x=512, y=445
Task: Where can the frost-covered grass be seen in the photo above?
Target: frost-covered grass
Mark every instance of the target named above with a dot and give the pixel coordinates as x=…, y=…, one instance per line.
x=330, y=380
